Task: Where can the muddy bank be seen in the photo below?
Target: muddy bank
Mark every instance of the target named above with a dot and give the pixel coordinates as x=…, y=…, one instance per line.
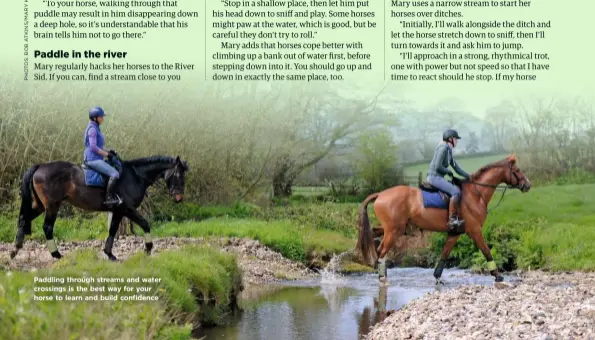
x=259, y=263
x=541, y=306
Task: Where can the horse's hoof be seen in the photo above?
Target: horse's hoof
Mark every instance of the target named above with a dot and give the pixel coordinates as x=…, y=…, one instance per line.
x=13, y=254
x=439, y=282
x=111, y=257
x=499, y=278
x=148, y=248
x=56, y=254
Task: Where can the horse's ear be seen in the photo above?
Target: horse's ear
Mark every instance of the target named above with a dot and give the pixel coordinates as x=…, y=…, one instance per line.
x=512, y=158
x=182, y=163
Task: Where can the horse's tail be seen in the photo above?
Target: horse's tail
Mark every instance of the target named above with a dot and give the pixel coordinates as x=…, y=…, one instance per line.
x=27, y=200
x=365, y=238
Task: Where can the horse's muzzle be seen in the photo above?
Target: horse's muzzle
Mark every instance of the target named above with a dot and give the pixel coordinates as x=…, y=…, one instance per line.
x=178, y=198
x=526, y=186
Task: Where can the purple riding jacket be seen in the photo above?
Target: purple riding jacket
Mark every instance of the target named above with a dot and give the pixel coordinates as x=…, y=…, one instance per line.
x=93, y=141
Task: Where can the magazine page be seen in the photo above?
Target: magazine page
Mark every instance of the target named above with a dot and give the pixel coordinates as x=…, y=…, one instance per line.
x=297, y=169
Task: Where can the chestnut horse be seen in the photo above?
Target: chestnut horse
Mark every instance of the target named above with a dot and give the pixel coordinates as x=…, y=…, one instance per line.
x=401, y=205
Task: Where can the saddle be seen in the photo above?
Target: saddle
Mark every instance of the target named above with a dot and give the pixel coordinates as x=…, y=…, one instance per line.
x=96, y=179
x=426, y=186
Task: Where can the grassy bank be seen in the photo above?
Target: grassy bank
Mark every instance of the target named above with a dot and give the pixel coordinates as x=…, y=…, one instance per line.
x=197, y=285
x=297, y=242
x=304, y=232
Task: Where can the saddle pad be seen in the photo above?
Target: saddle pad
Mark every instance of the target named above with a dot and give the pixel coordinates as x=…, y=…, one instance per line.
x=93, y=178
x=433, y=200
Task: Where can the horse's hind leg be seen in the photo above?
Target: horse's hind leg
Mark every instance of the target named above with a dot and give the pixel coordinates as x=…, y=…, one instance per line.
x=392, y=231
x=24, y=228
x=137, y=218
x=451, y=240
x=51, y=214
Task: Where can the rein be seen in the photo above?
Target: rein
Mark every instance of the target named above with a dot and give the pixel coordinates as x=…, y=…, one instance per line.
x=475, y=184
x=144, y=179
x=148, y=182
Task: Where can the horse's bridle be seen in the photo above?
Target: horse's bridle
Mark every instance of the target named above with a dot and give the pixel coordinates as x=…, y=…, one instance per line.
x=516, y=186
x=171, y=191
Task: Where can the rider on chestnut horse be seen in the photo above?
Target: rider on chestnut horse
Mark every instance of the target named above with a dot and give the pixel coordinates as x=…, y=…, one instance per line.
x=439, y=168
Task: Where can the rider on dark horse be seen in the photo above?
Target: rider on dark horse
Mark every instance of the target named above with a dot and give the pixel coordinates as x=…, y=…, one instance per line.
x=95, y=153
x=439, y=168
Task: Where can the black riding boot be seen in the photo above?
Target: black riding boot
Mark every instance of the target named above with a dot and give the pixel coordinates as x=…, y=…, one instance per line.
x=454, y=221
x=110, y=198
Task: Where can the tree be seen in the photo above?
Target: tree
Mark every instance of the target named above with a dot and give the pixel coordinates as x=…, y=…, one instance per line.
x=376, y=159
x=472, y=143
x=426, y=124
x=451, y=113
x=498, y=126
x=327, y=120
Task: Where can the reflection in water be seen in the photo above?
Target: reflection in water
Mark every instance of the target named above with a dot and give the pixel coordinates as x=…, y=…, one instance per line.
x=327, y=312
x=372, y=316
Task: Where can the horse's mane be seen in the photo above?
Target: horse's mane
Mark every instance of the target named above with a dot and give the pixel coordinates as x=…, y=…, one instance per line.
x=496, y=164
x=150, y=160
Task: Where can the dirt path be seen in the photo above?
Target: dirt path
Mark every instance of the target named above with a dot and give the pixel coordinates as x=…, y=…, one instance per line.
x=543, y=306
x=259, y=263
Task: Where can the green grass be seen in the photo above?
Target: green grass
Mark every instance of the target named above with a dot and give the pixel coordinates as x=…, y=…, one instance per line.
x=309, y=191
x=77, y=228
x=298, y=232
x=567, y=203
x=294, y=241
x=197, y=285
x=468, y=164
x=350, y=267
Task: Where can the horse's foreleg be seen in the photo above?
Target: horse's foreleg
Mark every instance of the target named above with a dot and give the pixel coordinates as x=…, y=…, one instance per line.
x=451, y=240
x=113, y=229
x=480, y=243
x=48, y=229
x=137, y=218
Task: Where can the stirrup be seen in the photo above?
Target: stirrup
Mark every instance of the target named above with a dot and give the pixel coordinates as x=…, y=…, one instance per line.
x=113, y=201
x=454, y=222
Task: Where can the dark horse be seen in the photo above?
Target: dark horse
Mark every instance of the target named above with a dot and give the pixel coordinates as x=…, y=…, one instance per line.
x=400, y=205
x=46, y=186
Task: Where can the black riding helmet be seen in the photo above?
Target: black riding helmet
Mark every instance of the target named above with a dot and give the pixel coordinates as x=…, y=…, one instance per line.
x=448, y=134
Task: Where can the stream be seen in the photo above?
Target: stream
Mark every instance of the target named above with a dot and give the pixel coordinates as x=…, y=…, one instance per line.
x=331, y=307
